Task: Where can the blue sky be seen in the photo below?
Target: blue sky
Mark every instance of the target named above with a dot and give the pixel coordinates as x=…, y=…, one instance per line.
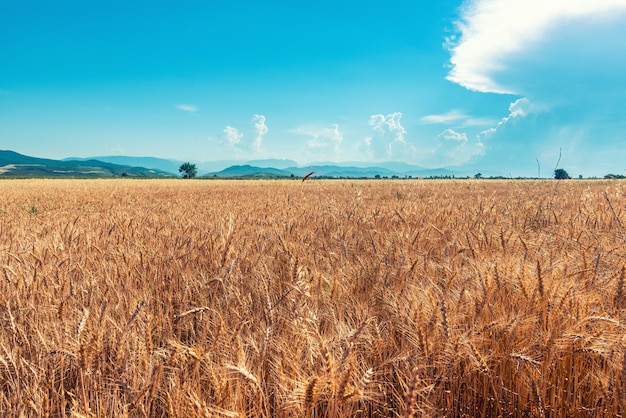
x=493, y=85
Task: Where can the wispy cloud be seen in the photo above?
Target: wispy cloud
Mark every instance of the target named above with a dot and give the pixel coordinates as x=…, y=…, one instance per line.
x=230, y=141
x=562, y=57
x=260, y=129
x=390, y=123
x=187, y=107
x=501, y=41
x=388, y=139
x=452, y=135
x=452, y=116
x=232, y=135
x=456, y=117
x=323, y=139
x=452, y=148
x=241, y=144
x=518, y=109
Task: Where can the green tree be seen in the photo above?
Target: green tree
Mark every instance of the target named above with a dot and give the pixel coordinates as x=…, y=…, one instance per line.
x=188, y=170
x=561, y=174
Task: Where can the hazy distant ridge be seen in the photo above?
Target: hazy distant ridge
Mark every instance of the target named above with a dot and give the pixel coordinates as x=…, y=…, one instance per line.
x=282, y=168
x=248, y=170
x=13, y=164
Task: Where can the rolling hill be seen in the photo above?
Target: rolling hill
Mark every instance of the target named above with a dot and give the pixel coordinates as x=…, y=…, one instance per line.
x=13, y=164
x=248, y=171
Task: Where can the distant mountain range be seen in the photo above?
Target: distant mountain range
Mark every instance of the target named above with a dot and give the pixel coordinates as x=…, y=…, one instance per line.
x=13, y=164
x=270, y=168
x=328, y=171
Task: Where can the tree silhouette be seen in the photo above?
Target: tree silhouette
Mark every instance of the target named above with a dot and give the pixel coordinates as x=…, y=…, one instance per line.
x=188, y=170
x=561, y=174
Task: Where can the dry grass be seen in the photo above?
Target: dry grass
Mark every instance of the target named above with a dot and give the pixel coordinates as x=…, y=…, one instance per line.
x=318, y=299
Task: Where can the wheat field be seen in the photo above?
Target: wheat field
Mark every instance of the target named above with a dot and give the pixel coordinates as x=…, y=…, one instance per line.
x=412, y=298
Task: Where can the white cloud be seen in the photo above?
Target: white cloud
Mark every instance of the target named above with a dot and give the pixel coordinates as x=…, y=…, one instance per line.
x=452, y=148
x=187, y=107
x=246, y=143
x=388, y=140
x=388, y=124
x=502, y=42
x=455, y=117
x=450, y=117
x=231, y=143
x=564, y=59
x=520, y=108
x=393, y=125
x=232, y=135
x=451, y=135
x=322, y=138
x=260, y=129
x=377, y=122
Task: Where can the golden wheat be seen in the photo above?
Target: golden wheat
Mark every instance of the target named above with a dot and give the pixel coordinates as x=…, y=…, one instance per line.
x=171, y=298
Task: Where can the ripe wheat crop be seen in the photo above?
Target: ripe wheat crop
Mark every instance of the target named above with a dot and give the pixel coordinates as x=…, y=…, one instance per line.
x=174, y=298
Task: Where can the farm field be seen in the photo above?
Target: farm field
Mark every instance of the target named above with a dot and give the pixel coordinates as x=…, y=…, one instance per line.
x=174, y=298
